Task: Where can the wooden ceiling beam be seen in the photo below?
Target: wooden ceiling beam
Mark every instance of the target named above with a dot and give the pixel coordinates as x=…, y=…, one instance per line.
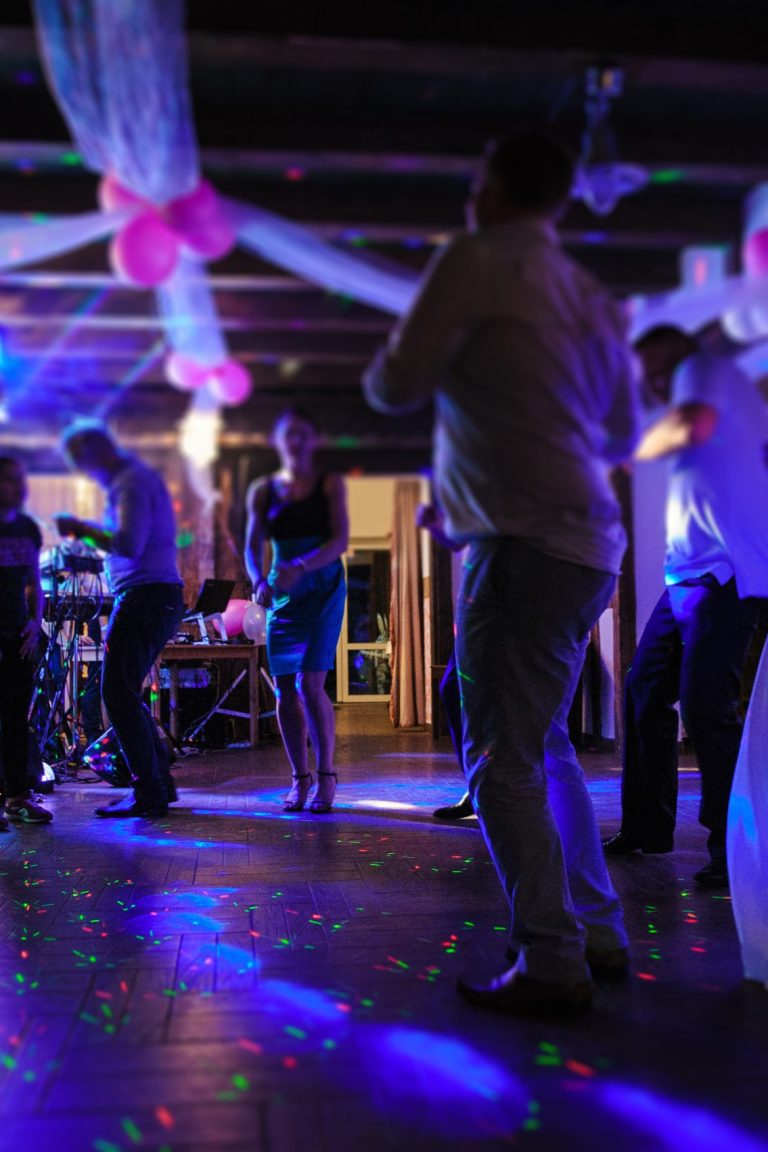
x=44, y=158
x=225, y=52
x=310, y=54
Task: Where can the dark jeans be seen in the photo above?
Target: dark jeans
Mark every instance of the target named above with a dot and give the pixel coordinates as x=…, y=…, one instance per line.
x=693, y=649
x=16, y=677
x=451, y=701
x=143, y=619
x=523, y=622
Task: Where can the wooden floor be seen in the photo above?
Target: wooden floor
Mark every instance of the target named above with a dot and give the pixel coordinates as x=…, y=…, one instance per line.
x=233, y=977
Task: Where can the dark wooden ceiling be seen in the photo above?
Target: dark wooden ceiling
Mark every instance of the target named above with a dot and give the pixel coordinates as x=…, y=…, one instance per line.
x=365, y=122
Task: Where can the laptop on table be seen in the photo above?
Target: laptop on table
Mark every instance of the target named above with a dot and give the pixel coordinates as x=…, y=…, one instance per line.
x=210, y=604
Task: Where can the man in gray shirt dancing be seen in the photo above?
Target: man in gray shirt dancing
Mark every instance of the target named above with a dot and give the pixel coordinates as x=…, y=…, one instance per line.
x=534, y=388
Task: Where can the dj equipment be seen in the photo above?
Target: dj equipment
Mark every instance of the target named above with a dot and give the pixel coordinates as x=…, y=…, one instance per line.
x=71, y=558
x=75, y=598
x=80, y=608
x=105, y=758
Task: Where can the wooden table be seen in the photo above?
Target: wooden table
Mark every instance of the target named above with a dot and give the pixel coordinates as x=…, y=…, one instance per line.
x=174, y=655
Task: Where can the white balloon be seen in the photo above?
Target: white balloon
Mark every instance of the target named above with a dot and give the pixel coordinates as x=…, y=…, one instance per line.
x=744, y=324
x=255, y=623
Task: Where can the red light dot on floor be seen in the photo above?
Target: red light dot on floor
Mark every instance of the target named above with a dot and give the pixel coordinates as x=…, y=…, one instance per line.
x=579, y=1069
x=164, y=1117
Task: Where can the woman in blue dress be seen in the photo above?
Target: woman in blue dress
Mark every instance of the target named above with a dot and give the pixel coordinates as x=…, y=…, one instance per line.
x=302, y=513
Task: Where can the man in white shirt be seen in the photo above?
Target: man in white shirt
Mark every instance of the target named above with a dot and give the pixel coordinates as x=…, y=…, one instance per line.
x=714, y=432
x=139, y=538
x=533, y=383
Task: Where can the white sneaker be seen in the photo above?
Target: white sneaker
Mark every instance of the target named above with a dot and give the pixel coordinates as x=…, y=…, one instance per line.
x=26, y=811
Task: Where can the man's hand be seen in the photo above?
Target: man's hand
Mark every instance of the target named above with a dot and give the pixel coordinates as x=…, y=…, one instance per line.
x=428, y=516
x=30, y=637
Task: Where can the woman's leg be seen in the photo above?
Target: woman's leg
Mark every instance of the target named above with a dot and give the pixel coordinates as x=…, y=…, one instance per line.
x=292, y=722
x=293, y=729
x=320, y=721
x=322, y=731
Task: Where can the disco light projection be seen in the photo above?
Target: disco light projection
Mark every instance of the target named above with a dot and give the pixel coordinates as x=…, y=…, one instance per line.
x=128, y=833
x=205, y=898
x=229, y=958
x=134, y=373
x=302, y=1019
x=440, y=1084
x=168, y=923
x=672, y=1125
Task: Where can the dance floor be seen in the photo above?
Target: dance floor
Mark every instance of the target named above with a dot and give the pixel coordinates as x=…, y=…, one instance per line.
x=236, y=978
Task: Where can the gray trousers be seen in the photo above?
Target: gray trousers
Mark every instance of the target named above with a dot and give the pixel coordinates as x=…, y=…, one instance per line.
x=523, y=622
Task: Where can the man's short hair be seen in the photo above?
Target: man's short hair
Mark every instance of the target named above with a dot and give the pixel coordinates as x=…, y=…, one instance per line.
x=666, y=334
x=86, y=433
x=7, y=459
x=534, y=169
x=295, y=412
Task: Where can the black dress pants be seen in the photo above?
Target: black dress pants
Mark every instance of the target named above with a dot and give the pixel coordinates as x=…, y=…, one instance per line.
x=693, y=649
x=16, y=677
x=143, y=619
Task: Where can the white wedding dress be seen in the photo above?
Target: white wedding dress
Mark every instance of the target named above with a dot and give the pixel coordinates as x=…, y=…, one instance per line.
x=747, y=838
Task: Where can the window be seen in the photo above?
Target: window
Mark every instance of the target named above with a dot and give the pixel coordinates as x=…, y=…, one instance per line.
x=363, y=658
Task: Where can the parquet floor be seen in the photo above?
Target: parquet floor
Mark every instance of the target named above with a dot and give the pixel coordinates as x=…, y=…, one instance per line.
x=235, y=978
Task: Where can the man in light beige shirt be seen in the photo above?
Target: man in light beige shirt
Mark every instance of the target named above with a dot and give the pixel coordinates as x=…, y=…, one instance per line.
x=534, y=388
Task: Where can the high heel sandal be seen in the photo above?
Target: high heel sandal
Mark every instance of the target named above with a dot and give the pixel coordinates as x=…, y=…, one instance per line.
x=322, y=801
x=297, y=797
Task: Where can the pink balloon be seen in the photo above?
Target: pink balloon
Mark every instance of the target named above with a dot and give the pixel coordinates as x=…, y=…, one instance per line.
x=200, y=207
x=211, y=240
x=233, y=616
x=113, y=196
x=145, y=251
x=230, y=383
x=756, y=253
x=184, y=372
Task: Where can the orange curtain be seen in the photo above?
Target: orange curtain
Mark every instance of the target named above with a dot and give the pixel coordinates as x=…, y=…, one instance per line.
x=407, y=703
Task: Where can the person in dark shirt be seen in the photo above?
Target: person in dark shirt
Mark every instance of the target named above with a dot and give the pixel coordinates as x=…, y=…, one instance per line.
x=21, y=610
x=303, y=514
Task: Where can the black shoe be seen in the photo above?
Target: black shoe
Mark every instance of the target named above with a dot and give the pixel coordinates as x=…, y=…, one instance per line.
x=130, y=806
x=623, y=845
x=166, y=760
x=520, y=995
x=458, y=811
x=713, y=875
x=607, y=963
